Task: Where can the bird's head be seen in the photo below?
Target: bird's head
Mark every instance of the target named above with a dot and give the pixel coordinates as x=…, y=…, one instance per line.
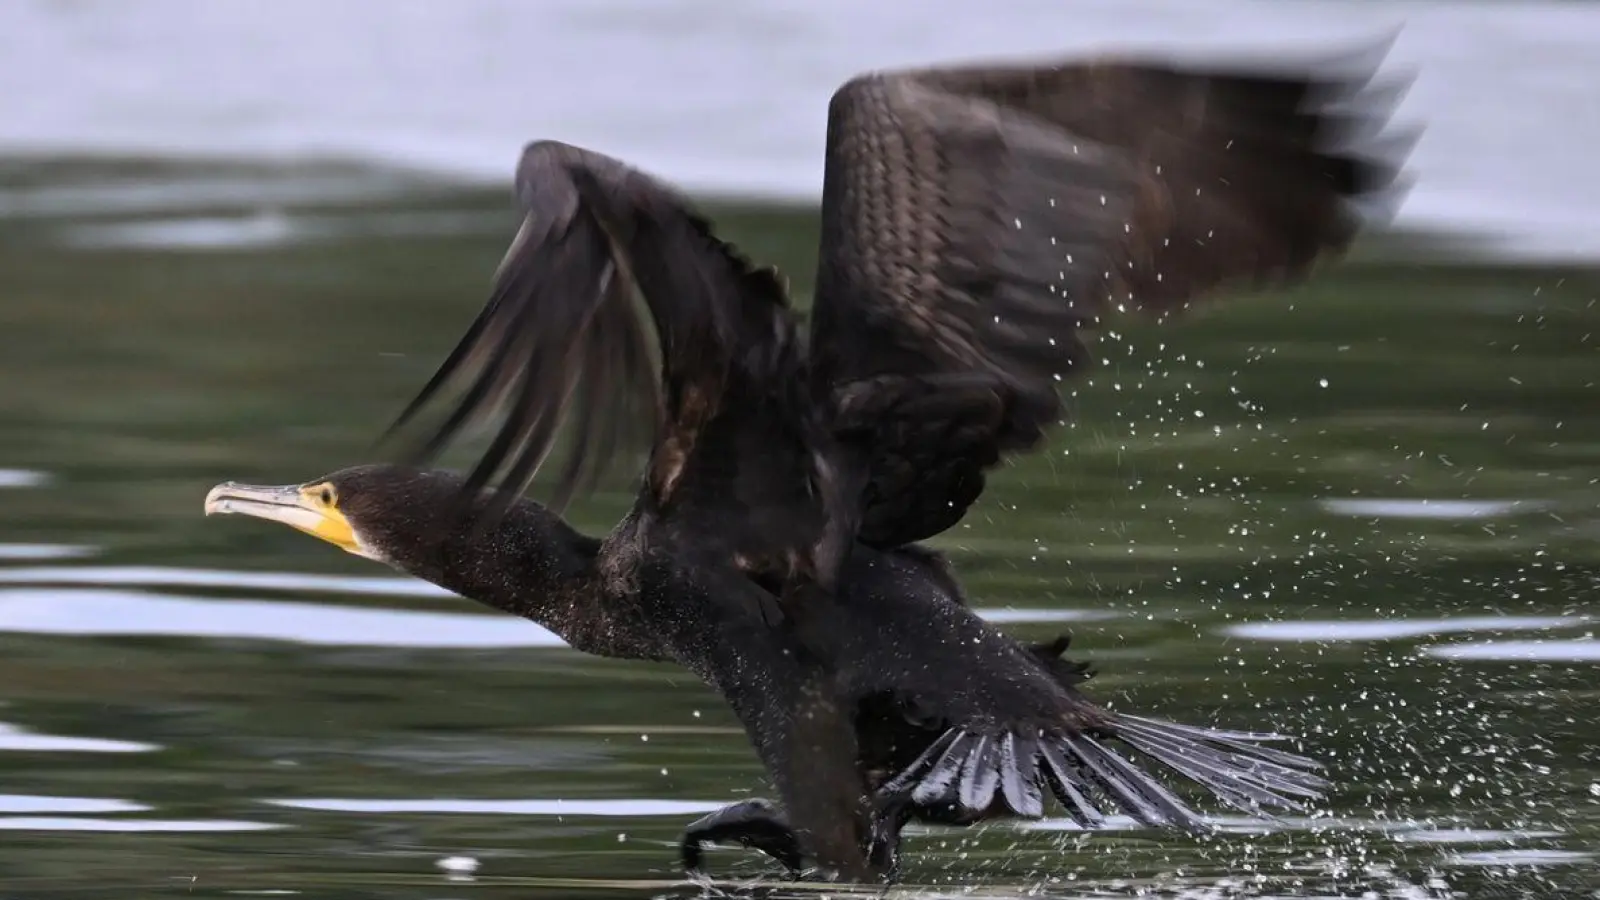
x=381, y=512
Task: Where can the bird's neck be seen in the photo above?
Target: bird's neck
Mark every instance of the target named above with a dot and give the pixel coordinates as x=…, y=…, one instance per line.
x=534, y=565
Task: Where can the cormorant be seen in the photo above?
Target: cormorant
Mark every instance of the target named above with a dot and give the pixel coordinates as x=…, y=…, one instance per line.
x=975, y=221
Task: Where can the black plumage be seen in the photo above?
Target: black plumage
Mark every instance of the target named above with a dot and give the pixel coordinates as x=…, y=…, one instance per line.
x=975, y=222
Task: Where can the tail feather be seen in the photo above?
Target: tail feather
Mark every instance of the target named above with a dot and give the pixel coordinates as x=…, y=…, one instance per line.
x=983, y=773
x=934, y=774
x=980, y=777
x=1231, y=788
x=1263, y=780
x=1022, y=792
x=1141, y=796
x=1240, y=741
x=1064, y=784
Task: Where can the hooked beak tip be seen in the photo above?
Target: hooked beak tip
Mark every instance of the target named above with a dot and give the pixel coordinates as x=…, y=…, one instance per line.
x=231, y=497
x=217, y=500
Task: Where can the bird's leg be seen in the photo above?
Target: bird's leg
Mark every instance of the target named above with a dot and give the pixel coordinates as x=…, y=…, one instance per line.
x=801, y=727
x=786, y=696
x=757, y=824
x=807, y=744
x=889, y=818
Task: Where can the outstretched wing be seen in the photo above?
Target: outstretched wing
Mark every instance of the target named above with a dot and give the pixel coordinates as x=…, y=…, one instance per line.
x=562, y=333
x=977, y=220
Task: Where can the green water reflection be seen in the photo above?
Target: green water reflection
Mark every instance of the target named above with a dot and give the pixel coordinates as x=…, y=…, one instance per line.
x=1188, y=497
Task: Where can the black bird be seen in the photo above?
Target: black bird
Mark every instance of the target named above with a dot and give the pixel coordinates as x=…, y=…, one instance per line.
x=975, y=222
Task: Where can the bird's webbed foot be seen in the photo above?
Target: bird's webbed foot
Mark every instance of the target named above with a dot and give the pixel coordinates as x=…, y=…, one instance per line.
x=761, y=825
x=757, y=824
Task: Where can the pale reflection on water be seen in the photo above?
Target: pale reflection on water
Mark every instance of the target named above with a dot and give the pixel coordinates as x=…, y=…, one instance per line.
x=131, y=826
x=1575, y=650
x=15, y=737
x=461, y=806
x=1394, y=629
x=18, y=552
x=99, y=611
x=1428, y=508
x=21, y=478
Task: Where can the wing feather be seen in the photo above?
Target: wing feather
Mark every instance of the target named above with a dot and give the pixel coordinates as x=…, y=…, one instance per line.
x=563, y=341
x=978, y=220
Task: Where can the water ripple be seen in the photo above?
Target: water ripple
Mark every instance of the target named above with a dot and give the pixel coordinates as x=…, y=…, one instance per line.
x=10, y=552
x=1428, y=835
x=13, y=737
x=105, y=611
x=1528, y=857
x=22, y=478
x=624, y=807
x=167, y=576
x=36, y=803
x=66, y=823
x=37, y=812
x=1573, y=650
x=1392, y=629
x=1413, y=831
x=270, y=228
x=1022, y=615
x=189, y=190
x=266, y=228
x=1381, y=508
x=112, y=612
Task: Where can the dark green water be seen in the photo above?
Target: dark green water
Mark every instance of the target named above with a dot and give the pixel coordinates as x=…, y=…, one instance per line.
x=220, y=708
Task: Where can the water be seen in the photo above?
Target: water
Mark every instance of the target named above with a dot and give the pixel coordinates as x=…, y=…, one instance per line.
x=1364, y=512
x=730, y=97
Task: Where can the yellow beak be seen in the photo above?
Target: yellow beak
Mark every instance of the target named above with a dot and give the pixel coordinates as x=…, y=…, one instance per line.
x=300, y=506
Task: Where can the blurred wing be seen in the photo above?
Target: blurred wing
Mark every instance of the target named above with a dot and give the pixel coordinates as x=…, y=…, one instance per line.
x=562, y=332
x=977, y=220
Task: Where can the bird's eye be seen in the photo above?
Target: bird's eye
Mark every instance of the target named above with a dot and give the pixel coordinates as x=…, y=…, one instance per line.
x=326, y=496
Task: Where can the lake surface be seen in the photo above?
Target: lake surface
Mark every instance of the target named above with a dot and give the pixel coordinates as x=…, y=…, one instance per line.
x=730, y=97
x=1367, y=511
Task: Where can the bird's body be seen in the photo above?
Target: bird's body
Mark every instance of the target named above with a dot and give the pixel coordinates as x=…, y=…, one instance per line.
x=975, y=221
x=838, y=705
